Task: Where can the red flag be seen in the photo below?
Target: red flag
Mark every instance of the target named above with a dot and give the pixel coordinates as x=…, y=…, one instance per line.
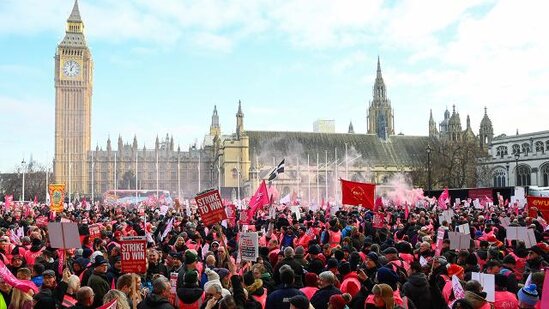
x=259, y=199
x=35, y=199
x=406, y=211
x=357, y=193
x=443, y=198
x=8, y=199
x=378, y=204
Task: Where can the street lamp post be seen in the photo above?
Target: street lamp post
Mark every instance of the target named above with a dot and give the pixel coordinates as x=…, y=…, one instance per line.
x=429, y=167
x=517, y=156
x=23, y=184
x=507, y=167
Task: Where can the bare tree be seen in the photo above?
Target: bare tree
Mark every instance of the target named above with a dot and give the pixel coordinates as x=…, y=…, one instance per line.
x=453, y=164
x=35, y=182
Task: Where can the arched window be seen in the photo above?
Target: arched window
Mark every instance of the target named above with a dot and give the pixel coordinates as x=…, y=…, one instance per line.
x=539, y=146
x=357, y=177
x=501, y=151
x=523, y=175
x=234, y=173
x=526, y=148
x=500, y=177
x=547, y=145
x=285, y=191
x=516, y=148
x=545, y=174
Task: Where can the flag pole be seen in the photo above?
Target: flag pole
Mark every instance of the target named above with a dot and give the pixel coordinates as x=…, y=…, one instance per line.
x=157, y=189
x=136, y=179
x=317, y=181
x=199, y=176
x=93, y=180
x=178, y=177
x=238, y=179
x=346, y=163
x=115, y=176
x=308, y=180
x=335, y=178
x=298, y=179
x=326, y=177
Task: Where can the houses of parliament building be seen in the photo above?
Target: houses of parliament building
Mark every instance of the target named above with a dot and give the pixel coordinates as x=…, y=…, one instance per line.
x=234, y=162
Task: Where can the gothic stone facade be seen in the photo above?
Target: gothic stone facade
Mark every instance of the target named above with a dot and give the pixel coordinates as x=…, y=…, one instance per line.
x=519, y=160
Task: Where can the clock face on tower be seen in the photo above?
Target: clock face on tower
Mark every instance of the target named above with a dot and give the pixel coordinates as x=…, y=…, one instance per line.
x=71, y=68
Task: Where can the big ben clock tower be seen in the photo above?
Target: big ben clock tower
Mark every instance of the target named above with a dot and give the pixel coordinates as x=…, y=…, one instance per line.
x=73, y=100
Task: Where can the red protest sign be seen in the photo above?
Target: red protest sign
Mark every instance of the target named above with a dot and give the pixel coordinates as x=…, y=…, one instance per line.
x=133, y=251
x=95, y=231
x=210, y=207
x=539, y=203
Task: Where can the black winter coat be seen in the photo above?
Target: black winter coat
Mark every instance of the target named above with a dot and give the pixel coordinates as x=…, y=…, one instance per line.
x=417, y=289
x=154, y=301
x=321, y=297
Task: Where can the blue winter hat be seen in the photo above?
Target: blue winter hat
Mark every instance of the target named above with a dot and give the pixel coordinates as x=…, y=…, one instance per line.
x=528, y=295
x=387, y=276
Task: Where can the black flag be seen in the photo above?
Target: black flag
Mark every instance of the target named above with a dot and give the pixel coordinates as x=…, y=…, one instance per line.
x=278, y=170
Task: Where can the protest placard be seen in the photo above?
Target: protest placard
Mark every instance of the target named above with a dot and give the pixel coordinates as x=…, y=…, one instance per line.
x=464, y=228
x=422, y=261
x=477, y=205
x=512, y=232
x=210, y=207
x=248, y=246
x=488, y=282
x=95, y=231
x=521, y=233
x=459, y=241
x=295, y=210
x=459, y=293
x=133, y=253
x=64, y=235
x=440, y=238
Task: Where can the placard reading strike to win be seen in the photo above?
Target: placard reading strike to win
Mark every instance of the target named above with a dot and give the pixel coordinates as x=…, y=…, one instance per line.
x=210, y=207
x=133, y=251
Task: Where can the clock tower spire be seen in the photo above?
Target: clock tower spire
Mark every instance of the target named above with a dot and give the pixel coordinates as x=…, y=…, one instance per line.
x=73, y=99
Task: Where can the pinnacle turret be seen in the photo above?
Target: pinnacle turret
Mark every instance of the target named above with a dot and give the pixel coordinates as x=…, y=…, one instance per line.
x=75, y=14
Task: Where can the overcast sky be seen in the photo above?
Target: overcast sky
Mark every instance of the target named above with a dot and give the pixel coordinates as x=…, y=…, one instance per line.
x=161, y=66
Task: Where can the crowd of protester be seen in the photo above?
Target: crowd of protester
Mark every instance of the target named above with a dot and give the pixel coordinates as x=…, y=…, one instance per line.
x=321, y=260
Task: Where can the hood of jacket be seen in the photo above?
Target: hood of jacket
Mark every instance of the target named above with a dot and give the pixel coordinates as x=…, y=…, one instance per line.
x=476, y=300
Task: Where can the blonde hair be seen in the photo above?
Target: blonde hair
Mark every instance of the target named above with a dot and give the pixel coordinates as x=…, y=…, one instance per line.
x=73, y=284
x=121, y=299
x=18, y=298
x=385, y=292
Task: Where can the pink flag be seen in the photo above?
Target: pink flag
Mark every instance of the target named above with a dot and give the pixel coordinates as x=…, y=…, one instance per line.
x=9, y=278
x=259, y=199
x=406, y=211
x=443, y=198
x=61, y=260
